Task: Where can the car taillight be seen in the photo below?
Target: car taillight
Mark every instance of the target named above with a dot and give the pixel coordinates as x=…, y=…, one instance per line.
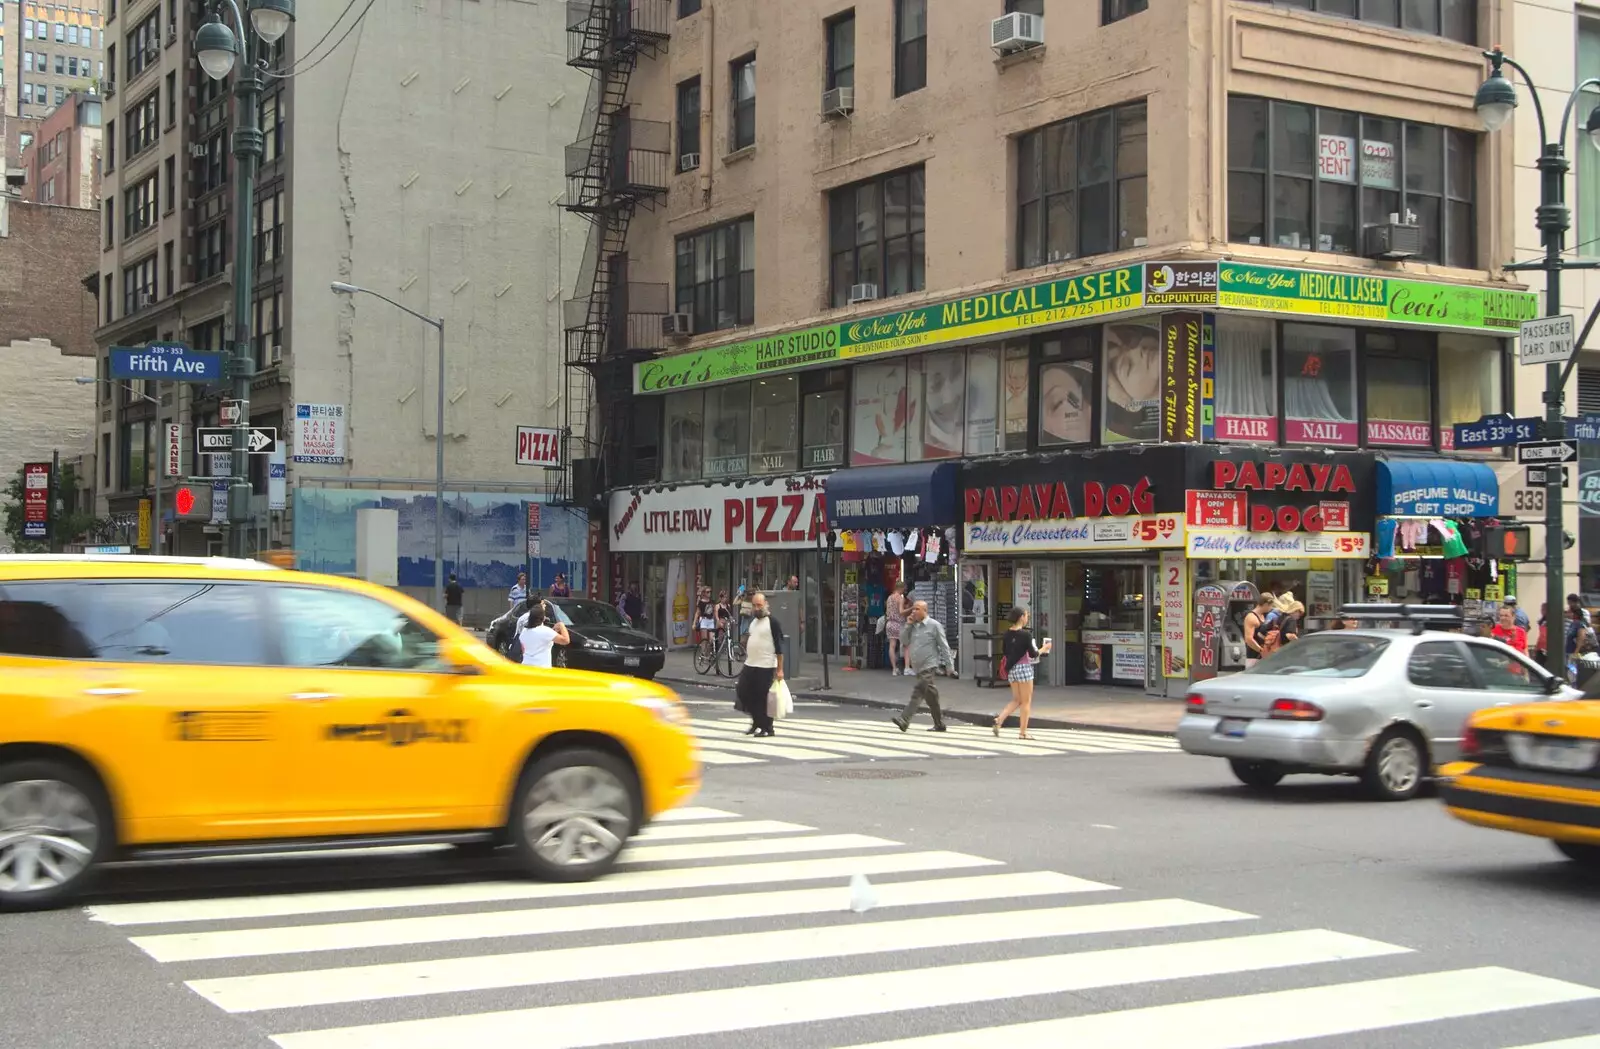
x=1196, y=702
x=1295, y=710
x=1471, y=745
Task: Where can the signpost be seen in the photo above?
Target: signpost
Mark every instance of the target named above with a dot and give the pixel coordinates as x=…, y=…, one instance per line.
x=35, y=500
x=165, y=360
x=263, y=439
x=1495, y=431
x=1547, y=452
x=228, y=413
x=1539, y=476
x=1547, y=340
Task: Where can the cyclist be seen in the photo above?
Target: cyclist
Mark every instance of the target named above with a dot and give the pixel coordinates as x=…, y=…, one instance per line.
x=722, y=615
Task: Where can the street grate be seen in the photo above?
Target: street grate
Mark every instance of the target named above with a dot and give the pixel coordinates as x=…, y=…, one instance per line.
x=870, y=773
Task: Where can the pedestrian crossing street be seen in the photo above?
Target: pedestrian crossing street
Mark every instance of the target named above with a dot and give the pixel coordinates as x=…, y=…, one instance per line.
x=716, y=926
x=723, y=740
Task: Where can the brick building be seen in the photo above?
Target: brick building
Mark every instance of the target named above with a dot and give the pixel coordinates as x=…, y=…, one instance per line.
x=62, y=163
x=49, y=50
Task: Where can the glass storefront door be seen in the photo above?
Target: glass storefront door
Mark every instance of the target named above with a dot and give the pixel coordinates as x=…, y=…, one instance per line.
x=1155, y=681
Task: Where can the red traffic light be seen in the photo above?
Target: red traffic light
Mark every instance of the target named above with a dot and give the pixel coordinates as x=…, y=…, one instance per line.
x=1508, y=543
x=183, y=501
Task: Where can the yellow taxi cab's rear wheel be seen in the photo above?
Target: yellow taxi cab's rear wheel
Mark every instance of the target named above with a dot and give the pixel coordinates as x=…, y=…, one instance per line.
x=573, y=813
x=1586, y=855
x=55, y=827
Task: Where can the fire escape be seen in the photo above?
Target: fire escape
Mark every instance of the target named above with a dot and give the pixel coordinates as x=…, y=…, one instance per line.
x=618, y=164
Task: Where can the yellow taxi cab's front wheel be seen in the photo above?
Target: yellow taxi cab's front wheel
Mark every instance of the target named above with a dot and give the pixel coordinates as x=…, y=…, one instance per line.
x=573, y=814
x=55, y=827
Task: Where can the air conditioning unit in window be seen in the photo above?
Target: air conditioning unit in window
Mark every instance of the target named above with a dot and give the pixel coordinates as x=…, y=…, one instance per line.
x=1017, y=31
x=108, y=88
x=838, y=102
x=172, y=32
x=863, y=293
x=677, y=325
x=688, y=162
x=152, y=53
x=144, y=300
x=1391, y=240
x=196, y=149
x=277, y=354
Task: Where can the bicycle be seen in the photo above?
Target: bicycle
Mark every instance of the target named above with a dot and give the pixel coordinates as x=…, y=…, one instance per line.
x=718, y=652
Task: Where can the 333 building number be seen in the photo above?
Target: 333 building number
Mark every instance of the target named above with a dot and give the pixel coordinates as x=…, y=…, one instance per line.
x=1528, y=500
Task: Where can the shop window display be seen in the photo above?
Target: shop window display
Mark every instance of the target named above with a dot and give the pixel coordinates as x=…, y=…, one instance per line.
x=1319, y=387
x=943, y=381
x=824, y=399
x=1132, y=382
x=775, y=425
x=1471, y=379
x=1399, y=390
x=728, y=430
x=1067, y=388
x=983, y=402
x=1246, y=379
x=685, y=436
x=1017, y=368
x=881, y=413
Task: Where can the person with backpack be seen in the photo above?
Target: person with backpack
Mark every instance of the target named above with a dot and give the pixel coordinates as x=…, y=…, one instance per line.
x=1255, y=629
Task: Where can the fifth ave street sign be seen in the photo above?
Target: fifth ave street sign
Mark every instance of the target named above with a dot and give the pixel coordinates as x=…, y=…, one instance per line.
x=1547, y=340
x=263, y=439
x=1547, y=452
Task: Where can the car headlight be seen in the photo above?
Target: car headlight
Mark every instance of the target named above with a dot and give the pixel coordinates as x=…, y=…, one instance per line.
x=668, y=710
x=595, y=642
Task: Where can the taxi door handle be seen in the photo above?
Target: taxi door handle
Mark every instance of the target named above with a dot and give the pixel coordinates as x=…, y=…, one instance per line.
x=111, y=691
x=313, y=697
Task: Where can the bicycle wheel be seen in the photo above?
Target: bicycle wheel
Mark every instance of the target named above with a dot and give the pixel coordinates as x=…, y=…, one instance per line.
x=735, y=660
x=705, y=656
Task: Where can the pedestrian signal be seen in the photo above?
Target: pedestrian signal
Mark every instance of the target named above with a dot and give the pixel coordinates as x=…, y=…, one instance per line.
x=1507, y=543
x=192, y=502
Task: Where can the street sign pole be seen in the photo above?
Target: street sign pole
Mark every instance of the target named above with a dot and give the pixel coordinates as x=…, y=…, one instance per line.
x=161, y=468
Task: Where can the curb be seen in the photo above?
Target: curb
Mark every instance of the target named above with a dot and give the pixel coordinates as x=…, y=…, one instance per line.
x=950, y=715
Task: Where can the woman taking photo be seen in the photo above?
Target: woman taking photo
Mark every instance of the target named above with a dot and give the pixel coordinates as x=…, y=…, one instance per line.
x=1020, y=651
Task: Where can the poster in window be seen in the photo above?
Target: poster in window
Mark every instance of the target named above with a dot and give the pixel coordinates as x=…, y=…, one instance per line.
x=944, y=400
x=879, y=414
x=1133, y=381
x=1016, y=398
x=1065, y=405
x=983, y=402
x=1380, y=162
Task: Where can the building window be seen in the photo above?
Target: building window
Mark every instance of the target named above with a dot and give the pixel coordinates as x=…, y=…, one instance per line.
x=131, y=466
x=142, y=124
x=1472, y=380
x=61, y=94
x=139, y=206
x=61, y=65
x=1313, y=179
x=1081, y=186
x=213, y=163
x=911, y=46
x=880, y=414
x=1452, y=19
x=107, y=298
x=139, y=285
x=743, y=72
x=1067, y=389
x=170, y=168
x=841, y=31
x=111, y=221
x=1588, y=217
x=210, y=251
x=687, y=7
x=268, y=328
x=72, y=35
x=716, y=275
x=1246, y=379
x=1027, y=7
x=775, y=425
x=271, y=128
x=1319, y=385
x=685, y=416
x=167, y=270
x=1398, y=372
x=110, y=140
x=172, y=99
x=728, y=430
x=269, y=228
x=27, y=29
x=688, y=119
x=824, y=399
x=876, y=236
x=144, y=45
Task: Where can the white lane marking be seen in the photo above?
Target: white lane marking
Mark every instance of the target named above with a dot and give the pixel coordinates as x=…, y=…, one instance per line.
x=713, y=735
x=484, y=925
x=1271, y=1018
x=722, y=850
x=1585, y=1041
x=965, y=736
x=694, y=812
x=711, y=757
x=762, y=749
x=292, y=990
x=241, y=908
x=1048, y=740
x=892, y=741
x=736, y=829
x=701, y=1013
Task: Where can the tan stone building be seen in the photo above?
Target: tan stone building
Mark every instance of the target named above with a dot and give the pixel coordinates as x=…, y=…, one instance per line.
x=971, y=249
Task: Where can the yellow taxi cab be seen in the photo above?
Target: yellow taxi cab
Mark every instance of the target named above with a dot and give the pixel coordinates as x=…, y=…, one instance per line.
x=1532, y=769
x=162, y=707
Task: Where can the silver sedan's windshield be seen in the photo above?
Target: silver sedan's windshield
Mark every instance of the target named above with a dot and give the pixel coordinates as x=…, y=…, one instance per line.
x=1334, y=653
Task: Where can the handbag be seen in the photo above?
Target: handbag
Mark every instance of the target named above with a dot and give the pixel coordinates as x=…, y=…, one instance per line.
x=780, y=704
x=883, y=624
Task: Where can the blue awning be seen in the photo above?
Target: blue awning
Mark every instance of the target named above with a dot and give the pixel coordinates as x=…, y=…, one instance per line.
x=1437, y=488
x=916, y=495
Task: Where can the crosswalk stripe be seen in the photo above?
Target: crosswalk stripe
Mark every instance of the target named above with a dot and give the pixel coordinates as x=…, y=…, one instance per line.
x=724, y=850
x=1250, y=1020
x=893, y=741
x=393, y=932
x=1053, y=742
x=621, y=1021
x=736, y=829
x=764, y=748
x=694, y=812
x=292, y=990
x=712, y=757
x=712, y=735
x=967, y=738
x=237, y=908
x=996, y=746
x=1586, y=1041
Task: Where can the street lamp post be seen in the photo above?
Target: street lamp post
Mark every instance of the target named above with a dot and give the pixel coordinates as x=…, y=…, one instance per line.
x=342, y=288
x=90, y=380
x=1495, y=100
x=217, y=49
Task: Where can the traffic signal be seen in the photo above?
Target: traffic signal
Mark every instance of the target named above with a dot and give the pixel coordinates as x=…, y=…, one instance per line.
x=192, y=502
x=1507, y=543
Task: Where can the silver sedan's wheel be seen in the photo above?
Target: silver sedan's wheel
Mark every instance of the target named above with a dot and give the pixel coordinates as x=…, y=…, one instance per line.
x=51, y=833
x=1395, y=766
x=575, y=812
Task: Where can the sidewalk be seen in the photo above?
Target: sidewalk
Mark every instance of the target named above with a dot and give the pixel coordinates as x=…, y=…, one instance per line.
x=1073, y=706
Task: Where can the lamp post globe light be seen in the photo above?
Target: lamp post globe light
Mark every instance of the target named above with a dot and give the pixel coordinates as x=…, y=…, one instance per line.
x=218, y=49
x=1495, y=102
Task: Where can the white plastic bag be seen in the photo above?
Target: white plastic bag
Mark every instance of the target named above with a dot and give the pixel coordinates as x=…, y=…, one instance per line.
x=863, y=896
x=780, y=704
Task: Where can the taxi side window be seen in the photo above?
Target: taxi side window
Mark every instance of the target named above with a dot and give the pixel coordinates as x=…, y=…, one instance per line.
x=1505, y=672
x=1439, y=664
x=156, y=621
x=336, y=628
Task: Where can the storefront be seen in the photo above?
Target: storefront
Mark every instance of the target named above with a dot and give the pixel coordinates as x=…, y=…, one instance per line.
x=1427, y=539
x=893, y=524
x=760, y=534
x=1141, y=562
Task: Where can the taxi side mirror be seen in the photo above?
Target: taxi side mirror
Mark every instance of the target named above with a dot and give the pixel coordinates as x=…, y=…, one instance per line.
x=1552, y=686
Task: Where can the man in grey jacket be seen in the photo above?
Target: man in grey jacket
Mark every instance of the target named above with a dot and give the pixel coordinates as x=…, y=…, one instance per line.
x=927, y=653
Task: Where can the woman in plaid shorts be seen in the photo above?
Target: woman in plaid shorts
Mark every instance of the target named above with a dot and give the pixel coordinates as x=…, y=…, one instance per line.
x=1020, y=652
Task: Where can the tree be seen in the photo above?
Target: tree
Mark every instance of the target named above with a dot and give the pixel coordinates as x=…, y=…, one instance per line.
x=71, y=521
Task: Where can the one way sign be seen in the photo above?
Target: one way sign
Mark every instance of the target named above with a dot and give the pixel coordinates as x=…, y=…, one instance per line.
x=1547, y=452
x=263, y=439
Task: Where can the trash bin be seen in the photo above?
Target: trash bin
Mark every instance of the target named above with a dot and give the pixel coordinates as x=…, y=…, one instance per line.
x=1587, y=666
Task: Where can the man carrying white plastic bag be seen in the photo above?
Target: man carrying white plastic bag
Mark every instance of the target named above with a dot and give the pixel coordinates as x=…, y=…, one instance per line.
x=780, y=703
x=763, y=667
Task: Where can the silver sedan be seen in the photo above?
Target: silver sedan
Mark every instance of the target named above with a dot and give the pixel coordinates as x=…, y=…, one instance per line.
x=1388, y=706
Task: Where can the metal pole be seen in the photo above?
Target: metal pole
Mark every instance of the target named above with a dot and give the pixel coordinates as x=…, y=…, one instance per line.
x=438, y=483
x=52, y=512
x=1553, y=221
x=247, y=155
x=161, y=464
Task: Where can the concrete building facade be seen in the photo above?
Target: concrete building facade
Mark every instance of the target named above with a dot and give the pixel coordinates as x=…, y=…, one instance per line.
x=48, y=51
x=62, y=163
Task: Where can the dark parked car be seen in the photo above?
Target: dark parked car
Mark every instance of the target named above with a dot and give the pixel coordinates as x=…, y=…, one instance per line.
x=601, y=639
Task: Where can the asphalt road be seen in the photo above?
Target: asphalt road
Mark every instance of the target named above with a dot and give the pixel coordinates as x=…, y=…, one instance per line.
x=1104, y=896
